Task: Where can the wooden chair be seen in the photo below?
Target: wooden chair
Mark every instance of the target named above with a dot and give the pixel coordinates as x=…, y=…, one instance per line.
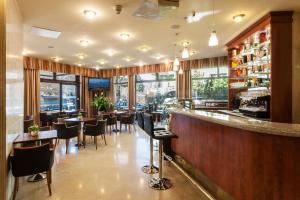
x=32, y=160
x=127, y=120
x=66, y=133
x=94, y=130
x=112, y=121
x=27, y=124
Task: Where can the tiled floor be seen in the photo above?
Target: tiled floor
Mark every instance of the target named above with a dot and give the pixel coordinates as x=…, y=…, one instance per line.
x=112, y=172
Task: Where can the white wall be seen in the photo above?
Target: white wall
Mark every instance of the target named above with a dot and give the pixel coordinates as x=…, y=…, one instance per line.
x=14, y=76
x=296, y=68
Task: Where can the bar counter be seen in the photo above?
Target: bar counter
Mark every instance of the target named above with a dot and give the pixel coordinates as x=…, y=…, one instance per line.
x=238, y=158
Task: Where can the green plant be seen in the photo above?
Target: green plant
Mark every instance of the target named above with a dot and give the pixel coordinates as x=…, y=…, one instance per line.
x=34, y=128
x=101, y=103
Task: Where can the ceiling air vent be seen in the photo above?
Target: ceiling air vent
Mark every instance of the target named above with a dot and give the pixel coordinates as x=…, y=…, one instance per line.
x=43, y=32
x=168, y=3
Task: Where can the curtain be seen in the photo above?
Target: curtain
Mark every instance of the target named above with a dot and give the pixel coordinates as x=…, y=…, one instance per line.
x=86, y=96
x=156, y=68
x=111, y=93
x=32, y=93
x=184, y=85
x=48, y=65
x=131, y=91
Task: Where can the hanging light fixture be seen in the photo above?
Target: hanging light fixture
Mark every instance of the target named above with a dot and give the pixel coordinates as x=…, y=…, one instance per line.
x=185, y=53
x=213, y=40
x=176, y=60
x=180, y=71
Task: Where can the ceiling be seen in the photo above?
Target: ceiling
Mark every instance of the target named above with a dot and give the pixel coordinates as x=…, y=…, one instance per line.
x=103, y=31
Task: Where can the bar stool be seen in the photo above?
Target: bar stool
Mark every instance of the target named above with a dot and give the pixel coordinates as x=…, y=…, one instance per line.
x=159, y=183
x=148, y=169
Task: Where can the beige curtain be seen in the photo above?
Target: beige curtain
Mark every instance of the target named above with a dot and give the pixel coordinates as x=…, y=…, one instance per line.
x=111, y=93
x=49, y=65
x=86, y=96
x=131, y=91
x=32, y=93
x=156, y=68
x=184, y=85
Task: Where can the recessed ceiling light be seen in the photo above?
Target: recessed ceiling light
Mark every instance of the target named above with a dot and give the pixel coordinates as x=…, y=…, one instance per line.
x=110, y=52
x=128, y=59
x=167, y=61
x=124, y=36
x=84, y=43
x=101, y=61
x=158, y=56
x=81, y=56
x=45, y=32
x=238, y=18
x=24, y=52
x=144, y=48
x=192, y=52
x=185, y=43
x=140, y=64
x=118, y=66
x=56, y=59
x=89, y=14
x=97, y=67
x=79, y=64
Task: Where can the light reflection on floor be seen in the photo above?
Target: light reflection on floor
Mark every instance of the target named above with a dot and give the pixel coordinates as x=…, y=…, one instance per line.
x=112, y=172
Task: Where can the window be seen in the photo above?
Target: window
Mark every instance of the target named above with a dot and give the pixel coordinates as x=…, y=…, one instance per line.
x=59, y=91
x=49, y=96
x=158, y=89
x=121, y=92
x=210, y=83
x=69, y=98
x=65, y=77
x=46, y=75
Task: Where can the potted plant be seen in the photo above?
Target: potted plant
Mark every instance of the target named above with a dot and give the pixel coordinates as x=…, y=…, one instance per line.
x=34, y=130
x=101, y=103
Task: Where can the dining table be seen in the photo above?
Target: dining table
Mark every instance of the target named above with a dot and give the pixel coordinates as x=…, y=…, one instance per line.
x=42, y=136
x=82, y=121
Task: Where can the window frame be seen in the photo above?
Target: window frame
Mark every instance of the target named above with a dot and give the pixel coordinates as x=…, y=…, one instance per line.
x=157, y=79
x=61, y=83
x=209, y=78
x=122, y=83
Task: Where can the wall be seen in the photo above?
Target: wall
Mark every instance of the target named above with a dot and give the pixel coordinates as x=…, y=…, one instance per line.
x=296, y=68
x=14, y=77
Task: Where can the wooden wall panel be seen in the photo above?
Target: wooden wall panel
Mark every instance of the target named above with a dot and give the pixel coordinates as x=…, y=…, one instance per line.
x=245, y=164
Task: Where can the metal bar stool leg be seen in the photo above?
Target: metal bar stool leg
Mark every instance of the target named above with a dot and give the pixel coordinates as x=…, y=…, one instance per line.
x=150, y=169
x=160, y=183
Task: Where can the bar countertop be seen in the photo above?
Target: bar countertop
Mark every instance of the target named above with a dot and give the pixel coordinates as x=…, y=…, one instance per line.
x=245, y=123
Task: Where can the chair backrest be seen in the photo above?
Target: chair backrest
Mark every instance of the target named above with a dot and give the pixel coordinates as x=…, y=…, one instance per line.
x=148, y=124
x=111, y=120
x=27, y=124
x=64, y=132
x=140, y=118
x=101, y=126
x=31, y=160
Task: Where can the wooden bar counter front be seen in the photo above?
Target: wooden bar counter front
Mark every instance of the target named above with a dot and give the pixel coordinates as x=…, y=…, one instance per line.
x=238, y=158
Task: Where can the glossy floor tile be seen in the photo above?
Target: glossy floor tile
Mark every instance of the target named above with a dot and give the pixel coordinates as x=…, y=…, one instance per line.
x=112, y=172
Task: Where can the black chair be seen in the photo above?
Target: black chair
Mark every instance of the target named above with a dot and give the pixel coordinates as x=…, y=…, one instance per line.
x=112, y=121
x=127, y=120
x=32, y=160
x=159, y=183
x=66, y=133
x=94, y=130
x=27, y=124
x=44, y=119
